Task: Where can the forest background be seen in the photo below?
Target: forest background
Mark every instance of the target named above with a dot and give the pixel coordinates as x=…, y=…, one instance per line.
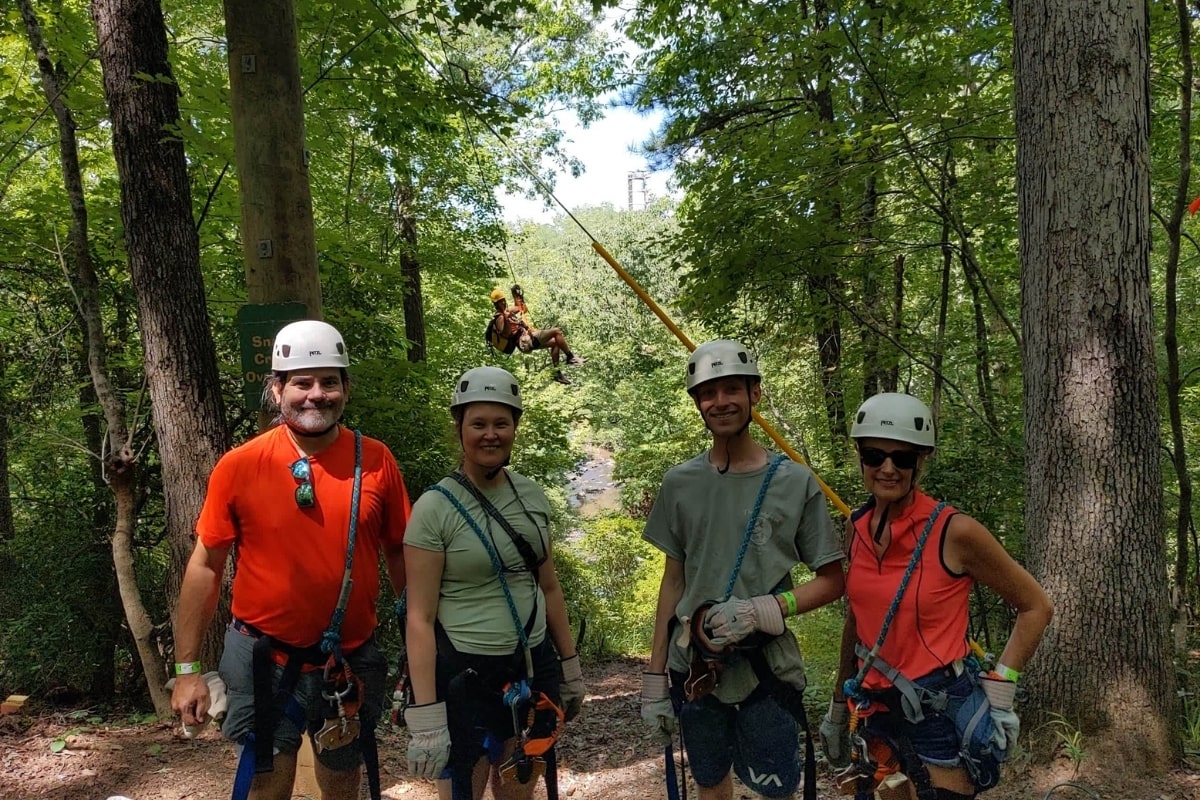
x=849, y=206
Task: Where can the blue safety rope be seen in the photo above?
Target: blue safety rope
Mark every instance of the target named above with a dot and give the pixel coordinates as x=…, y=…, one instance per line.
x=331, y=639
x=762, y=493
x=496, y=565
x=853, y=686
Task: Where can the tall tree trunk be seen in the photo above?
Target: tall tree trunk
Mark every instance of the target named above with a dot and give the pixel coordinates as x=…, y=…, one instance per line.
x=410, y=267
x=118, y=467
x=945, y=187
x=1181, y=594
x=1094, y=520
x=6, y=515
x=164, y=261
x=824, y=289
x=103, y=602
x=983, y=369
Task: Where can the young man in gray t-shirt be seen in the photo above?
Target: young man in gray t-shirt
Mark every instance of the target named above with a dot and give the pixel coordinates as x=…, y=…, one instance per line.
x=733, y=522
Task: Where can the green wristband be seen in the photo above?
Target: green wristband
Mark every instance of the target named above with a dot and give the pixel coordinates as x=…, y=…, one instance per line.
x=1007, y=673
x=188, y=668
x=790, y=600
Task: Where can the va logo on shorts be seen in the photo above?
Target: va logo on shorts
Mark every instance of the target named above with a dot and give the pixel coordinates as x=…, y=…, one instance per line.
x=764, y=780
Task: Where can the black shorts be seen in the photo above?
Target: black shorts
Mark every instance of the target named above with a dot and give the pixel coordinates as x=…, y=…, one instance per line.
x=473, y=688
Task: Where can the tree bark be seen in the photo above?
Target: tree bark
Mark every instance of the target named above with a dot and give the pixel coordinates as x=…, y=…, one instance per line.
x=6, y=516
x=1182, y=592
x=410, y=267
x=117, y=467
x=1094, y=519
x=164, y=260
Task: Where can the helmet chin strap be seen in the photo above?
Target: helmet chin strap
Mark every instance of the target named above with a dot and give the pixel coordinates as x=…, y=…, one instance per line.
x=491, y=473
x=883, y=516
x=727, y=440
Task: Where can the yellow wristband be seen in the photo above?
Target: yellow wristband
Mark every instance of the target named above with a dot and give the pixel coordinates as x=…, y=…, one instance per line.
x=1007, y=673
x=188, y=668
x=789, y=600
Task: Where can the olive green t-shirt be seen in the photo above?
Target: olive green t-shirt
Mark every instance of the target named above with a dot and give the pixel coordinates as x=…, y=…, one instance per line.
x=700, y=517
x=471, y=605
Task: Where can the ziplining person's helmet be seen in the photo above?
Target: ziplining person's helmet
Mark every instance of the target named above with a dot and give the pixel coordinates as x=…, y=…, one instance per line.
x=487, y=385
x=497, y=295
x=720, y=358
x=308, y=344
x=517, y=291
x=897, y=416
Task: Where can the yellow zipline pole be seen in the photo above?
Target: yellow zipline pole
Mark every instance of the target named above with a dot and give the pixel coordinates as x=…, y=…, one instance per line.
x=690, y=345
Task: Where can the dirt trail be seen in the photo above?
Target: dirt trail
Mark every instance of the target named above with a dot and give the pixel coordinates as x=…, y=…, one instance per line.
x=605, y=755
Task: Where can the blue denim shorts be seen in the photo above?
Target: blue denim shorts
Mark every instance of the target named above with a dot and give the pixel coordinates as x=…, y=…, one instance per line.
x=238, y=673
x=938, y=738
x=757, y=737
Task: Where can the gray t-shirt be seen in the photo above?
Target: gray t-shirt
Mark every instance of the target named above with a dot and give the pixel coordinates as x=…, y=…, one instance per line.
x=471, y=605
x=699, y=518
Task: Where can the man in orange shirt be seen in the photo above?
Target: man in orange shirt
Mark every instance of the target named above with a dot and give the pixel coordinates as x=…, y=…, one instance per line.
x=300, y=652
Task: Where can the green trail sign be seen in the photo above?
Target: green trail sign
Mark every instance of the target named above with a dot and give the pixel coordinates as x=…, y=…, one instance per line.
x=257, y=326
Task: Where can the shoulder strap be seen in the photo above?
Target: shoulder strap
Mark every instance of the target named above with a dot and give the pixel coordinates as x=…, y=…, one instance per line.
x=522, y=630
x=854, y=685
x=762, y=493
x=332, y=638
x=532, y=562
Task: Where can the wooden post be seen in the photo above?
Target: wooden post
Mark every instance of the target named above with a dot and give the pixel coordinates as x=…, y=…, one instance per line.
x=278, y=240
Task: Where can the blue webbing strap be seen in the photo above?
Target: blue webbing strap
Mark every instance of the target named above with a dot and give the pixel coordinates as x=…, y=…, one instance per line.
x=751, y=524
x=243, y=779
x=853, y=686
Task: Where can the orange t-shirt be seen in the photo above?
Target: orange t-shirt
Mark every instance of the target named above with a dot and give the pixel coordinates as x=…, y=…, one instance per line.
x=290, y=559
x=929, y=630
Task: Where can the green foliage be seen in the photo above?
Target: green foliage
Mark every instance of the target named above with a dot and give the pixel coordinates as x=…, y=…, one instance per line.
x=610, y=577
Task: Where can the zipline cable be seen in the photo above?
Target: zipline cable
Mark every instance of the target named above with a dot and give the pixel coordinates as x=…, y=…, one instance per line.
x=646, y=299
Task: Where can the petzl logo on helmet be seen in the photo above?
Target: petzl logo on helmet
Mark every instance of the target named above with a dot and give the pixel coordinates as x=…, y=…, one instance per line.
x=314, y=352
x=718, y=363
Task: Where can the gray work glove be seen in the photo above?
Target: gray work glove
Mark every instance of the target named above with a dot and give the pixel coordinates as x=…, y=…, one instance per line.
x=572, y=691
x=835, y=734
x=735, y=619
x=1000, y=694
x=657, y=712
x=429, y=742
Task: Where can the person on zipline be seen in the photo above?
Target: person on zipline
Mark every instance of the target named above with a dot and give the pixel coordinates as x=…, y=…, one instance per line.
x=732, y=522
x=512, y=329
x=300, y=654
x=487, y=631
x=918, y=702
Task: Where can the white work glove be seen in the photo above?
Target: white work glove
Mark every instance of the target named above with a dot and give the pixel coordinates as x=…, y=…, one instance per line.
x=429, y=742
x=1000, y=694
x=657, y=712
x=735, y=619
x=571, y=691
x=835, y=734
x=218, y=703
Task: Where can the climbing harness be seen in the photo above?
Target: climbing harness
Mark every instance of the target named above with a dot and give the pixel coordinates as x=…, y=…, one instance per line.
x=877, y=754
x=341, y=690
x=533, y=755
x=704, y=673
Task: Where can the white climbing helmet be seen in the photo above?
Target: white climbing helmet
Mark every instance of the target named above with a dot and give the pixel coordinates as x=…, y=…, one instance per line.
x=720, y=358
x=307, y=344
x=486, y=385
x=897, y=416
